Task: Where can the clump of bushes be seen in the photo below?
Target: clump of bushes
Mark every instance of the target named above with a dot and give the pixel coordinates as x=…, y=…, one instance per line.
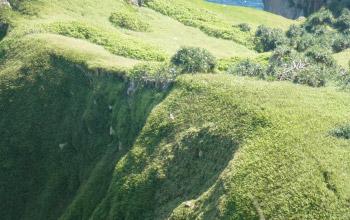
x=317, y=22
x=343, y=78
x=286, y=64
x=343, y=21
x=267, y=39
x=295, y=31
x=341, y=42
x=303, y=54
x=312, y=75
x=194, y=60
x=322, y=29
x=248, y=67
x=128, y=19
x=321, y=55
x=289, y=64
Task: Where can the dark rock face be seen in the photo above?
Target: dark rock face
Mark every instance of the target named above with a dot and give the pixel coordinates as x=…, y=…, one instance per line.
x=294, y=8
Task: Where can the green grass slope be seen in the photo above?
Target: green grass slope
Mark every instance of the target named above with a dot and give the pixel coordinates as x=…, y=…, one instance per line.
x=221, y=147
x=81, y=139
x=166, y=35
x=343, y=58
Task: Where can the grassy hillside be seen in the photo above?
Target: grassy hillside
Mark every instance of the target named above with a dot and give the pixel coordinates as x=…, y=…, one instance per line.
x=89, y=128
x=343, y=58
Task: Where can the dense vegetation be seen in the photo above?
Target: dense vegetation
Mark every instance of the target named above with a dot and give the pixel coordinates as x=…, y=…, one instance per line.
x=122, y=112
x=303, y=54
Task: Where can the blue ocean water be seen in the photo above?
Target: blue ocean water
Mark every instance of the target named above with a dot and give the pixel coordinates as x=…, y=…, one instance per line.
x=247, y=3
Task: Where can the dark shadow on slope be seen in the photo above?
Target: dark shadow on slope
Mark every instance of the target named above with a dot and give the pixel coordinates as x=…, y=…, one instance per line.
x=177, y=157
x=199, y=159
x=60, y=125
x=3, y=30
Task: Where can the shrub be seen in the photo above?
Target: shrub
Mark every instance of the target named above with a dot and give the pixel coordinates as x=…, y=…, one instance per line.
x=128, y=19
x=320, y=55
x=343, y=79
x=313, y=75
x=341, y=131
x=267, y=39
x=295, y=31
x=288, y=64
x=341, y=42
x=317, y=21
x=288, y=69
x=247, y=68
x=281, y=55
x=244, y=27
x=193, y=60
x=309, y=40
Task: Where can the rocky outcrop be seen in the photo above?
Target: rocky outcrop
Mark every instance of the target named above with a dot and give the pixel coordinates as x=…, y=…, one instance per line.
x=294, y=8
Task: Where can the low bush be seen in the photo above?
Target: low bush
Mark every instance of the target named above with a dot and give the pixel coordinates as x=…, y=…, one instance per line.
x=244, y=27
x=308, y=69
x=128, y=19
x=343, y=79
x=194, y=60
x=321, y=55
x=295, y=31
x=313, y=75
x=342, y=131
x=267, y=39
x=341, y=42
x=248, y=68
x=281, y=55
x=308, y=40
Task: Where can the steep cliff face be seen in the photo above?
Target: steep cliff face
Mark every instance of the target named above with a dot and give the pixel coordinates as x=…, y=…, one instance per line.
x=294, y=8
